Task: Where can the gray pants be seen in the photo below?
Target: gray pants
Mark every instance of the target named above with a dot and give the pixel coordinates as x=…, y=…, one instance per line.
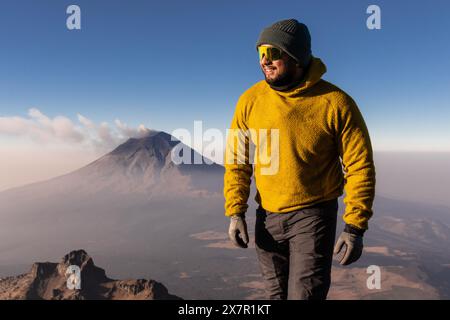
x=295, y=251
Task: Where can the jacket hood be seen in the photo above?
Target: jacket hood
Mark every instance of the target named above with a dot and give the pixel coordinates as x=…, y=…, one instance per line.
x=314, y=73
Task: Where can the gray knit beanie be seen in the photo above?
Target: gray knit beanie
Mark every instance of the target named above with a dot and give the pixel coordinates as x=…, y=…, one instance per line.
x=290, y=36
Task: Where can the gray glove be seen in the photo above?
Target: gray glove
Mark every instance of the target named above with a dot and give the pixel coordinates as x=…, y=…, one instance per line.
x=238, y=231
x=354, y=247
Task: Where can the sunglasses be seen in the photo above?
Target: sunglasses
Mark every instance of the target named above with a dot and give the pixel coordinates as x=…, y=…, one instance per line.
x=271, y=53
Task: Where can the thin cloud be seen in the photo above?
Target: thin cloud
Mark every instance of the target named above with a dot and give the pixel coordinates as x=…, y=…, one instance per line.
x=42, y=129
x=126, y=131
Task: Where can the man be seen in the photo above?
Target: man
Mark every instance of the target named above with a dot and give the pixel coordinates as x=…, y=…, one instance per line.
x=323, y=145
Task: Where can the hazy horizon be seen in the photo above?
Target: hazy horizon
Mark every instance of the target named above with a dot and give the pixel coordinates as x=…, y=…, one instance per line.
x=417, y=176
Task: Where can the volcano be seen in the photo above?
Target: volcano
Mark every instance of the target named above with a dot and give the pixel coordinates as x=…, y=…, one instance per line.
x=138, y=166
x=145, y=165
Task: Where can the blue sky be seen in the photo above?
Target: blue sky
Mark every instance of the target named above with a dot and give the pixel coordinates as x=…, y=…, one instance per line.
x=168, y=63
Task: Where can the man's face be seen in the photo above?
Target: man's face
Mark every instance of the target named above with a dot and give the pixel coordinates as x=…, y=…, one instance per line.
x=278, y=72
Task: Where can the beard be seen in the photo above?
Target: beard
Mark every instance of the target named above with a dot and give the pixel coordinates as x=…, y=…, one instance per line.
x=285, y=78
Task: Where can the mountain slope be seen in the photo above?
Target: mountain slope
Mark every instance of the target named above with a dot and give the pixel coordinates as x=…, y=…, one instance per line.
x=140, y=165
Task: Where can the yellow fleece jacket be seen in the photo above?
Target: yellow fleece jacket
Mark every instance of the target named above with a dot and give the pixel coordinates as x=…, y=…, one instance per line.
x=324, y=148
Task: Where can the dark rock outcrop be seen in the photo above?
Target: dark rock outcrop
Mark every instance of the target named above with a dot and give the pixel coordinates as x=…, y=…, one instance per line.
x=49, y=281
